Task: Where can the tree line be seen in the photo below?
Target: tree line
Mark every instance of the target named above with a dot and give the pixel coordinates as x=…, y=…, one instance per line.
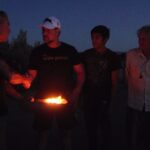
x=20, y=51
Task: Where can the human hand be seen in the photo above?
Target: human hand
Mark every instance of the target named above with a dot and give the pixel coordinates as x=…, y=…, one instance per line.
x=17, y=78
x=26, y=83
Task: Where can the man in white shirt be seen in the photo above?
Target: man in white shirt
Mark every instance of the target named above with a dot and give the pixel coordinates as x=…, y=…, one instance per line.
x=138, y=78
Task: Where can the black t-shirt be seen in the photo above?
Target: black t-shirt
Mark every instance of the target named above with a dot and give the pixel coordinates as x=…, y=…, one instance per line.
x=54, y=69
x=98, y=72
x=4, y=47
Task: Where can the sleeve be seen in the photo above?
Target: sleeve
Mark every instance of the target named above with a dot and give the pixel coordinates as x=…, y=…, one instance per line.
x=76, y=57
x=33, y=60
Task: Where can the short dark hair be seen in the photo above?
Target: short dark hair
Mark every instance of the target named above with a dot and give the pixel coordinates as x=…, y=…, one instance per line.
x=145, y=29
x=102, y=30
x=3, y=17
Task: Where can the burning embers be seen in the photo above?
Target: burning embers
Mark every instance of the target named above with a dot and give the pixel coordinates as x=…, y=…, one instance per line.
x=53, y=100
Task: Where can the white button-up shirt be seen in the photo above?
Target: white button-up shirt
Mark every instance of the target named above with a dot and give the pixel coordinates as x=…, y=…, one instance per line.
x=138, y=76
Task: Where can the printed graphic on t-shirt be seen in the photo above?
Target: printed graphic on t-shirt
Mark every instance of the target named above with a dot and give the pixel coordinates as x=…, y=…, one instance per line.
x=54, y=58
x=97, y=70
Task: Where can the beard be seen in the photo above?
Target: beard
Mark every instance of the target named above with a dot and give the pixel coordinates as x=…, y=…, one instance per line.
x=47, y=40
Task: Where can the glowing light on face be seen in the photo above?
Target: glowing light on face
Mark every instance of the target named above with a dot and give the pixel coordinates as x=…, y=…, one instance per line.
x=50, y=35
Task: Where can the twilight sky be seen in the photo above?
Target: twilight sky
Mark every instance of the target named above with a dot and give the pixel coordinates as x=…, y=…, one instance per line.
x=78, y=17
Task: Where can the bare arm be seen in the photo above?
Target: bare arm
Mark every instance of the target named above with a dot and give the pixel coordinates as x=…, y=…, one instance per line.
x=25, y=80
x=29, y=78
x=79, y=70
x=32, y=74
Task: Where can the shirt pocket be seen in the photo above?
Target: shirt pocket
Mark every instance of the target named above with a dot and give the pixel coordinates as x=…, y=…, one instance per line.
x=135, y=71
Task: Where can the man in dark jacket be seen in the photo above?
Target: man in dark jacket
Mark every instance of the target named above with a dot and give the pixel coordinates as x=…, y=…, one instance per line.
x=5, y=76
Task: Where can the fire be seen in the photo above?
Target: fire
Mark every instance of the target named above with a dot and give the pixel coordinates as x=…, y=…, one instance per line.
x=54, y=100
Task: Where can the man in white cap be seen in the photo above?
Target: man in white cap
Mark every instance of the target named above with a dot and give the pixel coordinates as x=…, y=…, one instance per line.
x=58, y=71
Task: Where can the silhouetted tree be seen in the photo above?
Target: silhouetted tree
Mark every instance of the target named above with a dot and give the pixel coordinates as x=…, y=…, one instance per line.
x=36, y=43
x=20, y=51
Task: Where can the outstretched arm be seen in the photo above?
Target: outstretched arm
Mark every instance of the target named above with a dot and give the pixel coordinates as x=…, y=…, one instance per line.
x=25, y=80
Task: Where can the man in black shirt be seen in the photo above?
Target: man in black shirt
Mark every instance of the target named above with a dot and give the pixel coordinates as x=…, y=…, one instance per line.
x=101, y=69
x=55, y=70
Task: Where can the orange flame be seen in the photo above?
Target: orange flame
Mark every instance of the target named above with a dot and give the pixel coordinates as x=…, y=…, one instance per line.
x=54, y=100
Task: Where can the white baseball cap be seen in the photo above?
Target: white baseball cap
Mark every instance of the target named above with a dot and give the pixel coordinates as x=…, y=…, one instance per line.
x=51, y=23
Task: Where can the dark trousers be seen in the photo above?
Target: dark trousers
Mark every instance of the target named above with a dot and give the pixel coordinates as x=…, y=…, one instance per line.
x=98, y=126
x=138, y=129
